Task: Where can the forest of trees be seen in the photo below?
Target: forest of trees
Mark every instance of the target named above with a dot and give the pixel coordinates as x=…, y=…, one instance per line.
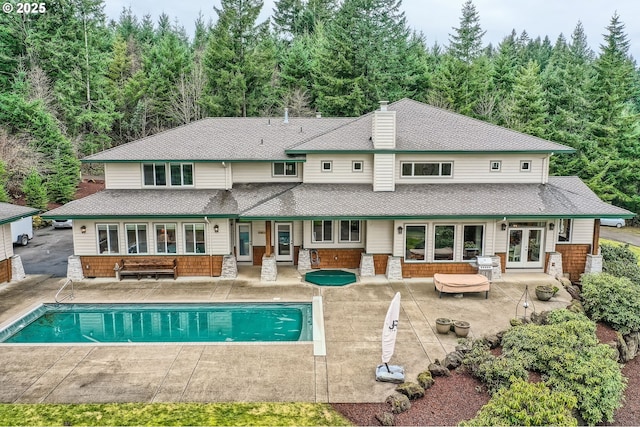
x=72, y=83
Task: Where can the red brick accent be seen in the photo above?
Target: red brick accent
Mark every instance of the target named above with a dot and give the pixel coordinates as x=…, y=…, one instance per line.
x=574, y=258
x=419, y=269
x=340, y=258
x=5, y=270
x=195, y=265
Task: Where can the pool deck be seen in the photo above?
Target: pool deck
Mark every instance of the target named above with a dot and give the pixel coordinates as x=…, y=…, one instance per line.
x=225, y=372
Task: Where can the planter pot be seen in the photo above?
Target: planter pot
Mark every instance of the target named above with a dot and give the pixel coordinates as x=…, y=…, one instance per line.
x=461, y=328
x=443, y=325
x=544, y=293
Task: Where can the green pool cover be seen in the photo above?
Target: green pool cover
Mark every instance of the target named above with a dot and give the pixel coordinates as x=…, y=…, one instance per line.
x=330, y=277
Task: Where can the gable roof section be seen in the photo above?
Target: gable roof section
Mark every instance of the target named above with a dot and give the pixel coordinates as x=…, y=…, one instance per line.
x=155, y=203
x=422, y=128
x=561, y=197
x=222, y=139
x=10, y=213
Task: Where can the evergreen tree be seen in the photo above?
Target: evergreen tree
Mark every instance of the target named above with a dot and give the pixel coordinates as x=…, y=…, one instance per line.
x=466, y=43
x=4, y=179
x=34, y=191
x=529, y=108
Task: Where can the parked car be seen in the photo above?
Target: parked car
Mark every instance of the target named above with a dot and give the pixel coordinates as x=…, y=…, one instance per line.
x=612, y=222
x=22, y=231
x=62, y=223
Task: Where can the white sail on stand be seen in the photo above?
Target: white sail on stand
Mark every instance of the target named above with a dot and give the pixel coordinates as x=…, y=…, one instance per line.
x=386, y=372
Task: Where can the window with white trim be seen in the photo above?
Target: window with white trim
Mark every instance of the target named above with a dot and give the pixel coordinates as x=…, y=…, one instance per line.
x=416, y=169
x=349, y=230
x=108, y=238
x=444, y=237
x=155, y=174
x=495, y=165
x=357, y=166
x=415, y=237
x=327, y=166
x=165, y=238
x=136, y=238
x=285, y=169
x=194, y=238
x=564, y=231
x=473, y=236
x=181, y=174
x=525, y=166
x=322, y=231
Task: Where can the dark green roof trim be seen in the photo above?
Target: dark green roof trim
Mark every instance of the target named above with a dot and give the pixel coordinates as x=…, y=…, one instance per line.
x=429, y=217
x=150, y=216
x=17, y=217
x=287, y=159
x=428, y=151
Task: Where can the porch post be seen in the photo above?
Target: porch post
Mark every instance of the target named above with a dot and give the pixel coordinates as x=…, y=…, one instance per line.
x=596, y=237
x=268, y=238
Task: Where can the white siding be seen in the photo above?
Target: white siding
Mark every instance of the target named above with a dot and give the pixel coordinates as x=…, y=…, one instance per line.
x=469, y=168
x=210, y=175
x=383, y=172
x=6, y=244
x=297, y=233
x=582, y=232
x=258, y=231
x=379, y=238
x=384, y=130
x=261, y=172
x=342, y=168
x=122, y=175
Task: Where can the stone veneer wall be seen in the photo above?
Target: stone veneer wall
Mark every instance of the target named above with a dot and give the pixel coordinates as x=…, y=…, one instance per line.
x=5, y=270
x=574, y=258
x=196, y=265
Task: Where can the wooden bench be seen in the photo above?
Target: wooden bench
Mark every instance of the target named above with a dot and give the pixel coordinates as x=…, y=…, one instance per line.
x=459, y=283
x=146, y=267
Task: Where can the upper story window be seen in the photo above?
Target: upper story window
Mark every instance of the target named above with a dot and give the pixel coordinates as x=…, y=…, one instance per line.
x=357, y=166
x=525, y=166
x=327, y=166
x=180, y=174
x=285, y=169
x=495, y=165
x=427, y=169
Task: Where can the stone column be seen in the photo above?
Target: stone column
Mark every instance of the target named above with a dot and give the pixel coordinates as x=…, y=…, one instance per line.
x=593, y=264
x=74, y=268
x=367, y=267
x=269, y=271
x=394, y=268
x=17, y=269
x=496, y=271
x=229, y=267
x=554, y=267
x=304, y=260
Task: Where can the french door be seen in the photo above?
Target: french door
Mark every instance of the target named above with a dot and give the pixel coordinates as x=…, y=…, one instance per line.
x=243, y=242
x=284, y=241
x=526, y=249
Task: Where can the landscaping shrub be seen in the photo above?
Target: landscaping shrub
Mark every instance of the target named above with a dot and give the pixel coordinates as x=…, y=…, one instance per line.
x=567, y=354
x=619, y=260
x=526, y=404
x=614, y=300
x=617, y=253
x=494, y=372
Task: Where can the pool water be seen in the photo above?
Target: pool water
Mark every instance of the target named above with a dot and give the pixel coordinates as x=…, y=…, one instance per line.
x=166, y=323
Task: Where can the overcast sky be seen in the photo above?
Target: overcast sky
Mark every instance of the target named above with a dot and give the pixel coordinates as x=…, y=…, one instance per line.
x=435, y=18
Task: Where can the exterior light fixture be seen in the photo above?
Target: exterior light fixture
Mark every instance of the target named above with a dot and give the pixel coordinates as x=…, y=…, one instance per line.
x=83, y=229
x=552, y=226
x=400, y=230
x=503, y=226
x=216, y=228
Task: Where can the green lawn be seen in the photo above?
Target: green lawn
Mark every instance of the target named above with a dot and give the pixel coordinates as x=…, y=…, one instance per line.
x=632, y=248
x=172, y=414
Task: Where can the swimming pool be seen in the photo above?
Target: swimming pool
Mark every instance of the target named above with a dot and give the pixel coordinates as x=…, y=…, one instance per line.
x=166, y=323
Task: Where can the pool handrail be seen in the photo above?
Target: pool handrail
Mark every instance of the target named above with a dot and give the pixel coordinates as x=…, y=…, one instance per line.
x=69, y=295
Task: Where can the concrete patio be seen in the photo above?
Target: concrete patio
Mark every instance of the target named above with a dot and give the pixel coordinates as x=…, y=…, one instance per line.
x=220, y=372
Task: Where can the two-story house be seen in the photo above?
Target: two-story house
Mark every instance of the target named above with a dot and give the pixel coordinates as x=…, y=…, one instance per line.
x=10, y=213
x=410, y=185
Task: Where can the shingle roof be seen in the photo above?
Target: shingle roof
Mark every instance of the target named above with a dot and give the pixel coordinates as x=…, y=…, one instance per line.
x=161, y=202
x=562, y=196
x=424, y=128
x=10, y=213
x=222, y=139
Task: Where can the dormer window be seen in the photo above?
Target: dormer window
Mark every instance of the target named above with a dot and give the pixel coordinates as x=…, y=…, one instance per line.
x=155, y=174
x=284, y=169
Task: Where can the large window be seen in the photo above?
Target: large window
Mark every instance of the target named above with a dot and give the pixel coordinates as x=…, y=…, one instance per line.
x=181, y=174
x=322, y=231
x=165, y=238
x=414, y=242
x=194, y=238
x=349, y=231
x=427, y=169
x=137, y=238
x=108, y=238
x=473, y=241
x=154, y=174
x=564, y=233
x=443, y=243
x=284, y=169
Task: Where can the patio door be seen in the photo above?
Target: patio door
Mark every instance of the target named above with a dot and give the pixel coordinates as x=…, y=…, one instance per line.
x=284, y=241
x=525, y=248
x=243, y=242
